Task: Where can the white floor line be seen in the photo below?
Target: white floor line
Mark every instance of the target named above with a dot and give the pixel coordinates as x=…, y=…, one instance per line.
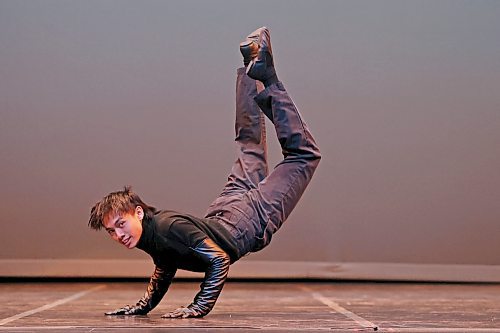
x=441, y=329
x=50, y=305
x=334, y=306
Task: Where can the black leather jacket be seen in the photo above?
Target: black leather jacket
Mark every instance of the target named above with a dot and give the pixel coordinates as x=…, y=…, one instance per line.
x=180, y=241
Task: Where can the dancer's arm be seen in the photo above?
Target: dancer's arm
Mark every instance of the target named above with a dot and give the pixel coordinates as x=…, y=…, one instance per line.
x=218, y=266
x=158, y=286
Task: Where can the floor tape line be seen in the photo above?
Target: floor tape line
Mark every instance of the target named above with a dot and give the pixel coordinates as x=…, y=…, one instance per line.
x=334, y=306
x=441, y=330
x=50, y=305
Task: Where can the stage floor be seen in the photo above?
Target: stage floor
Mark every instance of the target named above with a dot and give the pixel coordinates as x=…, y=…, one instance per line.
x=256, y=307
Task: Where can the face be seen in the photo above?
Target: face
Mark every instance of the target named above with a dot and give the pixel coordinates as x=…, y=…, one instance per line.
x=125, y=228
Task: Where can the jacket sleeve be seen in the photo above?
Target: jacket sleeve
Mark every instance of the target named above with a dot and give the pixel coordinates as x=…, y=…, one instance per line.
x=158, y=285
x=218, y=266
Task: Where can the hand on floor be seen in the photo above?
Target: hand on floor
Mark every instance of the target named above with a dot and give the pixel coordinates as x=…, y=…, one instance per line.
x=182, y=312
x=127, y=310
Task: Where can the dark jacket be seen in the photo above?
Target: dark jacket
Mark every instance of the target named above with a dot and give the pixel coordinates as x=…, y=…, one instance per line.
x=181, y=241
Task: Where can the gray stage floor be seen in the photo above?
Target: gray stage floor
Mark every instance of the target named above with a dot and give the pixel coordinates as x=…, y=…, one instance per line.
x=257, y=307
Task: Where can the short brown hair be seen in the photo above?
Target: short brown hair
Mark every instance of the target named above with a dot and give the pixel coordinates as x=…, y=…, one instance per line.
x=118, y=202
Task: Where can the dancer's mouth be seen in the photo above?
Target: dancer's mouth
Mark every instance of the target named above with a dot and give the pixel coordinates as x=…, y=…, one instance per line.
x=126, y=241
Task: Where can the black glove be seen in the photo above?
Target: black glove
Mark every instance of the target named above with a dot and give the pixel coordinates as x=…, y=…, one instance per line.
x=218, y=266
x=158, y=286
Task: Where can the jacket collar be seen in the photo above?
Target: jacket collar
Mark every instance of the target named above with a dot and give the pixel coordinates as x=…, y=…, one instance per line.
x=146, y=242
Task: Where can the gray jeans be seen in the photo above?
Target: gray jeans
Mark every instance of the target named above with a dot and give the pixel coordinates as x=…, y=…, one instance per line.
x=254, y=203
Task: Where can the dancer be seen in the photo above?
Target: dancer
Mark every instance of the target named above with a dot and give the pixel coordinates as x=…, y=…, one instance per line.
x=251, y=208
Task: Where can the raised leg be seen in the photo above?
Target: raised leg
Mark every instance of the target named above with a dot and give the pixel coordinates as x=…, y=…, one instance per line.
x=268, y=206
x=278, y=194
x=250, y=167
x=252, y=206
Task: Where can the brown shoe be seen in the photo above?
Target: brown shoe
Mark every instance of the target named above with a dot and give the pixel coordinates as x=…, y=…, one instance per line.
x=258, y=56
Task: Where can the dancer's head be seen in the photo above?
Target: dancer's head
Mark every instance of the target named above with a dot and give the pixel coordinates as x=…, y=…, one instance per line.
x=121, y=214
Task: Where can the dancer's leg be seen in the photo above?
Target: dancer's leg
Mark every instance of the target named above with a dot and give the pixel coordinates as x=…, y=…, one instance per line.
x=250, y=166
x=257, y=211
x=268, y=206
x=279, y=193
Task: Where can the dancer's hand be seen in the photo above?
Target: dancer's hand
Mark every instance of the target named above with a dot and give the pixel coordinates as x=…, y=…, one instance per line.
x=127, y=310
x=182, y=312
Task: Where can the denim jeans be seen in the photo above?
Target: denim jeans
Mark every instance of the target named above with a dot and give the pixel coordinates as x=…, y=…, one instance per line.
x=254, y=203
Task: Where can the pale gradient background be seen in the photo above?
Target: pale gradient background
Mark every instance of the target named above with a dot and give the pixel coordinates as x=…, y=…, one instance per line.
x=402, y=96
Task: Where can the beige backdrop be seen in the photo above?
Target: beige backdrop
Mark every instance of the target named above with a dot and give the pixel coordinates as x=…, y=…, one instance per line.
x=402, y=97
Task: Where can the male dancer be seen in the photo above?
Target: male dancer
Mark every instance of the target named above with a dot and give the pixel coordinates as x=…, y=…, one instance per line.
x=251, y=208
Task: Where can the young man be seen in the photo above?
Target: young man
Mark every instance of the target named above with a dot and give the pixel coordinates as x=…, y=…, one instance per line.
x=251, y=208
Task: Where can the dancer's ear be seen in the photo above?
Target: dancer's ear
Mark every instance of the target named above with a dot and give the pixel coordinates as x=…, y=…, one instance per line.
x=139, y=212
